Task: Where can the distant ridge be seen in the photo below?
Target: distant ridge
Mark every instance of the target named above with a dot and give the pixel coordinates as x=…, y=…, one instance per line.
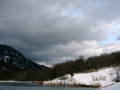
x=13, y=57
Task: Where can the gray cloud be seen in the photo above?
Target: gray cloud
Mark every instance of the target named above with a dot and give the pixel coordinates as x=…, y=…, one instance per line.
x=118, y=38
x=42, y=30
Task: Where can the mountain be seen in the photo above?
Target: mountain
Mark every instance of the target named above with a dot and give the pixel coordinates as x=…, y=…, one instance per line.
x=5, y=66
x=13, y=57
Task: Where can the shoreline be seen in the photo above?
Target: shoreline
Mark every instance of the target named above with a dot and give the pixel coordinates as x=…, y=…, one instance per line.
x=37, y=82
x=62, y=85
x=18, y=81
x=75, y=85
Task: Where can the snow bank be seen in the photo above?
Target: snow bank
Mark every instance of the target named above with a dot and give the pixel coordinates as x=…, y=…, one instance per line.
x=102, y=77
x=115, y=86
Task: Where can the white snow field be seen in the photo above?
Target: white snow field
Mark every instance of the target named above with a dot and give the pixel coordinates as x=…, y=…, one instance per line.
x=115, y=86
x=102, y=77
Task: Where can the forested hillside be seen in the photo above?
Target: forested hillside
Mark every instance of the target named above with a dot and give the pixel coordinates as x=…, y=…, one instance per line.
x=69, y=67
x=5, y=66
x=82, y=65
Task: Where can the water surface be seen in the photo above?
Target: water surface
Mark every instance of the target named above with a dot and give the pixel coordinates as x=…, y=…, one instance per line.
x=34, y=86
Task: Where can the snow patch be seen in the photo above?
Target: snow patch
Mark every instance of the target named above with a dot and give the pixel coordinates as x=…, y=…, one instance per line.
x=6, y=58
x=103, y=77
x=115, y=86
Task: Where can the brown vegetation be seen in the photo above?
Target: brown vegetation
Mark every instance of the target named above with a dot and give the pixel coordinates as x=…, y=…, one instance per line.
x=40, y=82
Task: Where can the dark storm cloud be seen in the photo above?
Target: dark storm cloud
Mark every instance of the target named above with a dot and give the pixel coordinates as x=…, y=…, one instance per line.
x=38, y=28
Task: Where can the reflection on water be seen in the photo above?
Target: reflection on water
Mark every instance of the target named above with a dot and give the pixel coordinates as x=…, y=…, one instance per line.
x=18, y=84
x=33, y=86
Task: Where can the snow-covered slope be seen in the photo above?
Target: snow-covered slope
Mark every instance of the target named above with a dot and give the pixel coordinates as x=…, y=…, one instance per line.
x=102, y=77
x=115, y=86
x=14, y=57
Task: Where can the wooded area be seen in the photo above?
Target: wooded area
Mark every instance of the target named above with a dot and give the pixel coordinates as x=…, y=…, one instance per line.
x=69, y=67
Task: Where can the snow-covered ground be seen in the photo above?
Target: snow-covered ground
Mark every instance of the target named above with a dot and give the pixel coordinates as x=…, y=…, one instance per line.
x=102, y=77
x=115, y=86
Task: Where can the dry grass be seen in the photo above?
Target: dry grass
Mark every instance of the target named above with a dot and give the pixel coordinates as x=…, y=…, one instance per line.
x=90, y=71
x=96, y=85
x=62, y=78
x=40, y=82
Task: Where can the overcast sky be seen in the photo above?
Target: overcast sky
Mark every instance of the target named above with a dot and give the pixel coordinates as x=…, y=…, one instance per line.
x=54, y=31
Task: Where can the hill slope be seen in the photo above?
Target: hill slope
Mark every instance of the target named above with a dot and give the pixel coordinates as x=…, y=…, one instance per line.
x=11, y=56
x=98, y=78
x=5, y=66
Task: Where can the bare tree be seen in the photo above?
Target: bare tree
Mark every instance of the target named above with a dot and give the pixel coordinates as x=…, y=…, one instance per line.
x=117, y=70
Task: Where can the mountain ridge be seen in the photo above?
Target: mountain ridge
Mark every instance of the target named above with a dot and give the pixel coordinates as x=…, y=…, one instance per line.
x=13, y=57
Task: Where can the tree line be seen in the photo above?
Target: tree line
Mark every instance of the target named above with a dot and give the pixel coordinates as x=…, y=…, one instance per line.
x=69, y=67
